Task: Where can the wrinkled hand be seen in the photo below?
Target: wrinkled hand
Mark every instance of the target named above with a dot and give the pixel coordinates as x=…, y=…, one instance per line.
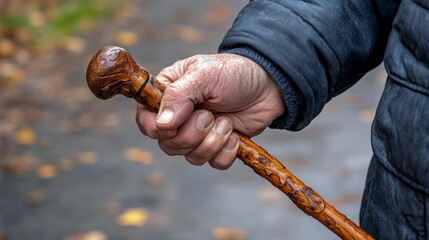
x=230, y=92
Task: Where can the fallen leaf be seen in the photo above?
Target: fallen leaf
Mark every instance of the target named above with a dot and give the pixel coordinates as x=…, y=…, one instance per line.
x=270, y=194
x=156, y=179
x=22, y=56
x=75, y=97
x=218, y=14
x=126, y=38
x=16, y=116
x=10, y=74
x=7, y=47
x=188, y=34
x=2, y=235
x=94, y=235
x=47, y=171
x=36, y=18
x=223, y=233
x=25, y=136
x=110, y=120
x=133, y=217
x=20, y=164
x=295, y=162
x=350, y=198
x=86, y=120
x=34, y=197
x=111, y=208
x=381, y=77
x=73, y=44
x=88, y=158
x=23, y=35
x=160, y=220
x=127, y=11
x=138, y=155
x=368, y=115
x=66, y=165
x=353, y=99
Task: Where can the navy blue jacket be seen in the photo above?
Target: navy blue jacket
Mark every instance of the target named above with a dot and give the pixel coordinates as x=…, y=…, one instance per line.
x=315, y=50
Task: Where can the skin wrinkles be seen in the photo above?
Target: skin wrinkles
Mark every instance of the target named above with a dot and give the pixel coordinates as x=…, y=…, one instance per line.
x=224, y=86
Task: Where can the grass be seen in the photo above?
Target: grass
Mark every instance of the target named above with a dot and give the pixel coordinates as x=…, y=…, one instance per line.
x=38, y=24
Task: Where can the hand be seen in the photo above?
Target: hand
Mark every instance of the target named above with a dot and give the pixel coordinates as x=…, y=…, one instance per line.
x=230, y=92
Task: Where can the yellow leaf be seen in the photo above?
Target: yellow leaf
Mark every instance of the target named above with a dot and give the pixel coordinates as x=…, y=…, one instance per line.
x=7, y=47
x=367, y=115
x=23, y=34
x=25, y=136
x=138, y=155
x=270, y=194
x=47, y=171
x=66, y=165
x=22, y=56
x=111, y=208
x=156, y=179
x=34, y=197
x=381, y=77
x=223, y=233
x=218, y=14
x=73, y=44
x=133, y=217
x=126, y=38
x=88, y=158
x=36, y=18
x=189, y=34
x=110, y=121
x=20, y=164
x=94, y=235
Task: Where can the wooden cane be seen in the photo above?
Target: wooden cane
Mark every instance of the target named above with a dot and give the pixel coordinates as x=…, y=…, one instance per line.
x=112, y=70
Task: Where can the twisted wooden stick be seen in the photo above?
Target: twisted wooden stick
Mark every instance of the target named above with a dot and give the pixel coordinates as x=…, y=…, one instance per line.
x=112, y=70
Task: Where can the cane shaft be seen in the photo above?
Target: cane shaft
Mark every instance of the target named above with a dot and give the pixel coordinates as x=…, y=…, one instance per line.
x=303, y=196
x=271, y=169
x=112, y=70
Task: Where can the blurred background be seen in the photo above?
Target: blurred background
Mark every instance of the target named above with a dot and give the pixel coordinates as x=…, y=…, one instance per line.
x=73, y=167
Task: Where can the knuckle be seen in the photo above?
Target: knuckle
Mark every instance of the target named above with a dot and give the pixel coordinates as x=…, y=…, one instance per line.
x=213, y=143
x=142, y=129
x=219, y=165
x=165, y=148
x=172, y=148
x=222, y=161
x=166, y=134
x=179, y=144
x=194, y=161
x=152, y=133
x=202, y=155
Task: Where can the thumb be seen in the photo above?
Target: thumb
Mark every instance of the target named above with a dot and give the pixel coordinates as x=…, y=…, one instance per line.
x=177, y=104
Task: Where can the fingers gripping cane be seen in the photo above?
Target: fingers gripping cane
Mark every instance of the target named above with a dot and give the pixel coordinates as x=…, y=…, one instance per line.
x=113, y=71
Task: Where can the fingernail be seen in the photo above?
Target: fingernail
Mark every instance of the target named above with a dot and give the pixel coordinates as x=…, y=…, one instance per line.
x=204, y=119
x=232, y=142
x=166, y=116
x=223, y=127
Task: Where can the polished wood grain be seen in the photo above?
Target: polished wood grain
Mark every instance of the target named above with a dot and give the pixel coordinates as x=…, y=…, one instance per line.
x=113, y=71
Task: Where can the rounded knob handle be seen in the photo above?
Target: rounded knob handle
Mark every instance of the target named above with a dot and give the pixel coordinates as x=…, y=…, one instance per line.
x=113, y=71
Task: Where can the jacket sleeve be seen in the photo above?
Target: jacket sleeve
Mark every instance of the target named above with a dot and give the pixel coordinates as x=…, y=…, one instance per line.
x=314, y=50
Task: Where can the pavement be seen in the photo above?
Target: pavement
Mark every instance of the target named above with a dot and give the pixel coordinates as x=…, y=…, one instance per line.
x=73, y=165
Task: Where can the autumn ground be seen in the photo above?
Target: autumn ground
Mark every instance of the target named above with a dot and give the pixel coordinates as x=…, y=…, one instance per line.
x=75, y=167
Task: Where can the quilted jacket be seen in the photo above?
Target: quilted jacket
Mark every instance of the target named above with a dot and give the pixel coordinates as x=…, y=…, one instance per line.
x=315, y=50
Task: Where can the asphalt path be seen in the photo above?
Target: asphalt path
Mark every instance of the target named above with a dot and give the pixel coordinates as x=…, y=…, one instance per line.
x=89, y=164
